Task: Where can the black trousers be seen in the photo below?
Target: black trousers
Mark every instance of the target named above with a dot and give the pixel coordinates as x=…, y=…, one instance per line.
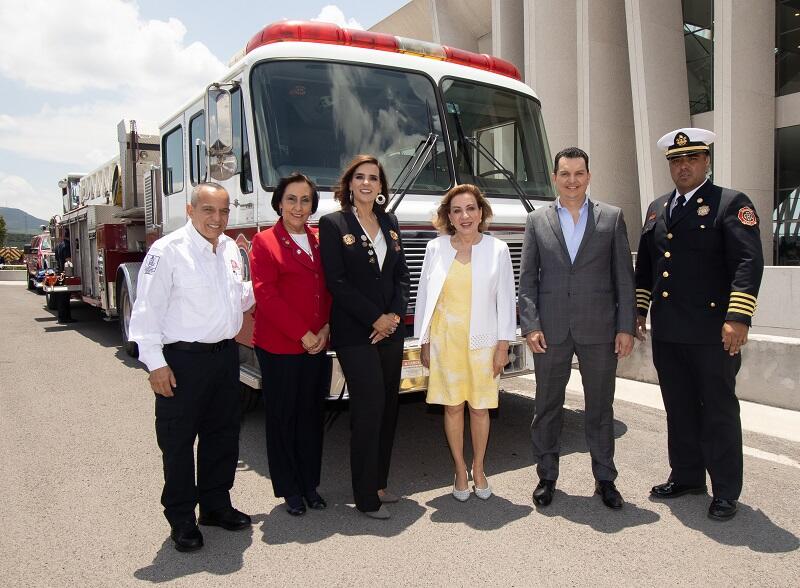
x=698, y=384
x=597, y=364
x=62, y=303
x=373, y=381
x=294, y=392
x=205, y=407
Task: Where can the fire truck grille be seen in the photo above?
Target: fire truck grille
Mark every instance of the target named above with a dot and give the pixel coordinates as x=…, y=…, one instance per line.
x=414, y=248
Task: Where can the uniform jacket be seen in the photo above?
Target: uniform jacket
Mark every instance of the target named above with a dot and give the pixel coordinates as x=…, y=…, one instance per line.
x=701, y=268
x=361, y=290
x=291, y=296
x=493, y=312
x=592, y=298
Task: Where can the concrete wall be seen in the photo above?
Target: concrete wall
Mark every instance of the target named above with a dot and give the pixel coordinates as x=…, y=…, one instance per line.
x=770, y=372
x=13, y=275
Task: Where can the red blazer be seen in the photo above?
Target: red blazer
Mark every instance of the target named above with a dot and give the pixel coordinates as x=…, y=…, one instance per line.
x=290, y=292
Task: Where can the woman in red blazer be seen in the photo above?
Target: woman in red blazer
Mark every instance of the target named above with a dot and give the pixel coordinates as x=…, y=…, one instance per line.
x=290, y=337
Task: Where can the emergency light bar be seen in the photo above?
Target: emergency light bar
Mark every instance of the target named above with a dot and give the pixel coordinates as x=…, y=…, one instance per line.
x=325, y=32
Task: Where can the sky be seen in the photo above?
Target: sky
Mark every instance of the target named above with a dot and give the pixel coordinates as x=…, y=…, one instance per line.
x=70, y=70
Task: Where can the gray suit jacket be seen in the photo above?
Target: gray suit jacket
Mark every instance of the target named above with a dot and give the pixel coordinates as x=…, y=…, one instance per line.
x=593, y=298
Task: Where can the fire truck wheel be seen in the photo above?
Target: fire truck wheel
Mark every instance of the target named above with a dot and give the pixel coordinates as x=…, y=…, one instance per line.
x=31, y=286
x=52, y=304
x=248, y=398
x=125, y=307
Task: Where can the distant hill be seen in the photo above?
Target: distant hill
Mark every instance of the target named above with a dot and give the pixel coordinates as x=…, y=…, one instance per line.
x=19, y=221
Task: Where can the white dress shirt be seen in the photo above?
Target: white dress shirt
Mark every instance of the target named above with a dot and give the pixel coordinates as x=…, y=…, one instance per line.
x=686, y=197
x=186, y=292
x=378, y=243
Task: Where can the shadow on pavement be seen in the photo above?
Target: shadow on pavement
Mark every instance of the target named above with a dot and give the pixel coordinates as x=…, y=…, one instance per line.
x=420, y=463
x=222, y=554
x=750, y=528
x=590, y=511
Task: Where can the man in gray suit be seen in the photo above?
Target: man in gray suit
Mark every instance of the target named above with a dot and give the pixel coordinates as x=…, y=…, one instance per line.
x=576, y=295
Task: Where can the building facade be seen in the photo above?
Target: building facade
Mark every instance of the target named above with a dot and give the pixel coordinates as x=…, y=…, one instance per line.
x=615, y=75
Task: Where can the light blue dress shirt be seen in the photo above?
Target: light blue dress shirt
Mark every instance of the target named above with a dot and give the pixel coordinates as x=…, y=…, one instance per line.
x=573, y=232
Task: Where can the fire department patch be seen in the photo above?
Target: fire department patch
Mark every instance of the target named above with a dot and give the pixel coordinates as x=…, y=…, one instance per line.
x=393, y=235
x=151, y=263
x=747, y=216
x=652, y=216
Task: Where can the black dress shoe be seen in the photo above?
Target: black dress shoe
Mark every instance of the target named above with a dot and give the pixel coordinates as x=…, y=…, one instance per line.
x=295, y=506
x=672, y=489
x=228, y=518
x=315, y=501
x=609, y=493
x=187, y=536
x=543, y=494
x=722, y=509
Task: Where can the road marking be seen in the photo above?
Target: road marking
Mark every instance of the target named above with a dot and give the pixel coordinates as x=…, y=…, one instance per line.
x=773, y=457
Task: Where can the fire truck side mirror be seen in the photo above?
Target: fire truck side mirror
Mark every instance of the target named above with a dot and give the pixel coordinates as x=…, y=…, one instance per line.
x=222, y=161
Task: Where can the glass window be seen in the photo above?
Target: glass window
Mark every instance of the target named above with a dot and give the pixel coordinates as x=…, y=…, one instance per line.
x=698, y=39
x=197, y=132
x=787, y=47
x=172, y=148
x=241, y=148
x=490, y=126
x=786, y=214
x=314, y=117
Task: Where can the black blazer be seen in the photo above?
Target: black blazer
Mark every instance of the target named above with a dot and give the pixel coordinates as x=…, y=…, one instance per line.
x=362, y=291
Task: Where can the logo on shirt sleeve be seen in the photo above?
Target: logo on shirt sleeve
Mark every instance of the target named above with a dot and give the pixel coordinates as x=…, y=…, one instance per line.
x=151, y=263
x=747, y=216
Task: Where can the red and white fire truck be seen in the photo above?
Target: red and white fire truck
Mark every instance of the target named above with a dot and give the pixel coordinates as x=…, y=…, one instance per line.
x=309, y=96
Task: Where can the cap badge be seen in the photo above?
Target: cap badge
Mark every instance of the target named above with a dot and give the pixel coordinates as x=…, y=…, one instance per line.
x=681, y=139
x=747, y=216
x=348, y=239
x=703, y=210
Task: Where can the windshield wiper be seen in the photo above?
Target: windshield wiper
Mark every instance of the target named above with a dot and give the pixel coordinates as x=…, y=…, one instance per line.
x=500, y=169
x=411, y=171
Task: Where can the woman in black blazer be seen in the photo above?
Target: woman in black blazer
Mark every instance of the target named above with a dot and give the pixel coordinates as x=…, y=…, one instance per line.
x=368, y=279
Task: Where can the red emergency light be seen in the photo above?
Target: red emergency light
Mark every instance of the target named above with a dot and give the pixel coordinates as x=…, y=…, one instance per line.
x=325, y=32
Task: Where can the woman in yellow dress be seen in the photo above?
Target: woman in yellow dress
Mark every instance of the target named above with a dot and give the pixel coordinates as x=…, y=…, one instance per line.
x=465, y=318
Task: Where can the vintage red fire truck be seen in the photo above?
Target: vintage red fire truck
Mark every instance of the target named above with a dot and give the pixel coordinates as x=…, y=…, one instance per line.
x=308, y=96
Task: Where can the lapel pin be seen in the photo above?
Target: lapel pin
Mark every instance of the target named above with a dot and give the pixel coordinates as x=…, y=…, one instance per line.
x=348, y=239
x=703, y=210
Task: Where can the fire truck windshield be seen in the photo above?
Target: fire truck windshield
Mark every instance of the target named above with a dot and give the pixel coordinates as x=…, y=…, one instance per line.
x=509, y=127
x=315, y=116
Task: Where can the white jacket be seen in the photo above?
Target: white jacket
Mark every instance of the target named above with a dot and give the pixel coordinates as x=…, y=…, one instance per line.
x=493, y=313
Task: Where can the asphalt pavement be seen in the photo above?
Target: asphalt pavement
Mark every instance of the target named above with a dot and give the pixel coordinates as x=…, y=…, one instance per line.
x=81, y=481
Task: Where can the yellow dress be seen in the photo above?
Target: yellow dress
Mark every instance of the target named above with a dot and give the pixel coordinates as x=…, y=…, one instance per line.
x=458, y=373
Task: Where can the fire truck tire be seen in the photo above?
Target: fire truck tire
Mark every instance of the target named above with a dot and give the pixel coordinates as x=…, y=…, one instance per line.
x=125, y=307
x=31, y=286
x=52, y=303
x=248, y=398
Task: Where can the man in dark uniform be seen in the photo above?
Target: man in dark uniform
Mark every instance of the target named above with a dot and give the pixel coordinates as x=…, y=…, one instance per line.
x=63, y=254
x=699, y=266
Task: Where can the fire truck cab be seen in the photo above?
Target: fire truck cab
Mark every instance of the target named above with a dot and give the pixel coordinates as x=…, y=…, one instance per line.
x=309, y=96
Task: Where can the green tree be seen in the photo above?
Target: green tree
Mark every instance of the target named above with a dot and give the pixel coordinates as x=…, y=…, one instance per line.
x=2, y=230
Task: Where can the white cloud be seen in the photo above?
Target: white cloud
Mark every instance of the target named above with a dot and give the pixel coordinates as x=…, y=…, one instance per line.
x=17, y=192
x=82, y=45
x=334, y=14
x=119, y=65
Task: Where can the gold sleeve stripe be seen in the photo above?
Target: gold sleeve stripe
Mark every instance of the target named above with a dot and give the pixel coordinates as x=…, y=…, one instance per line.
x=743, y=295
x=740, y=310
x=743, y=302
x=642, y=290
x=643, y=306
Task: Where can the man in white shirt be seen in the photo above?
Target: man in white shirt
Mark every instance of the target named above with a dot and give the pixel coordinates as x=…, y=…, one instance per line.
x=188, y=309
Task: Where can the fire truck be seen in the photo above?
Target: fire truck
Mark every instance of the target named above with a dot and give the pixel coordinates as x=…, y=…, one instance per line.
x=103, y=218
x=309, y=96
